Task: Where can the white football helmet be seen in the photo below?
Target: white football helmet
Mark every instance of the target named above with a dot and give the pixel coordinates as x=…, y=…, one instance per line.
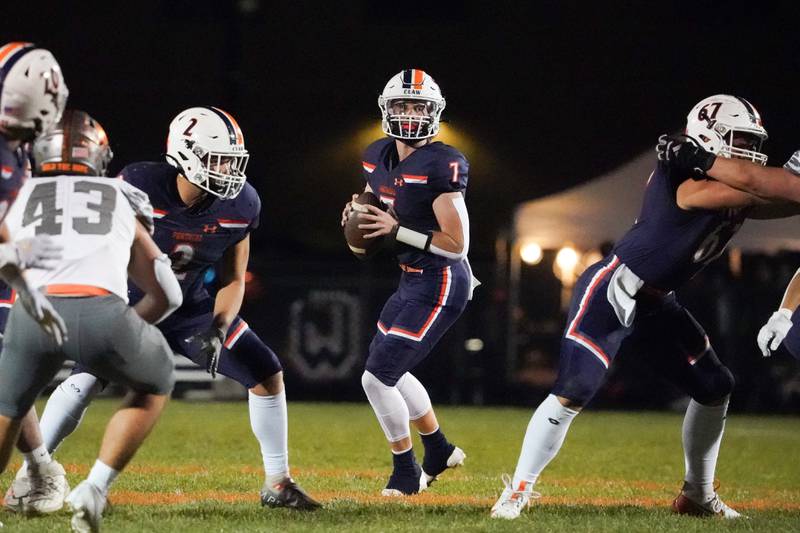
x=728, y=126
x=33, y=93
x=207, y=146
x=411, y=85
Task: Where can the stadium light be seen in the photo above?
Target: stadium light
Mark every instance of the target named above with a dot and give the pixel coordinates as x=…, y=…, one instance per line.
x=473, y=345
x=567, y=259
x=531, y=253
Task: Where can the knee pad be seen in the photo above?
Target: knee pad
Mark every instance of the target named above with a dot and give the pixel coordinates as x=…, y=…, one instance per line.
x=415, y=396
x=389, y=407
x=392, y=357
x=713, y=381
x=580, y=376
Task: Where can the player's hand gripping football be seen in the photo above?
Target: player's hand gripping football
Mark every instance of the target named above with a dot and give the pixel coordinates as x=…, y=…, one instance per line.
x=682, y=153
x=774, y=331
x=210, y=342
x=347, y=208
x=42, y=311
x=383, y=222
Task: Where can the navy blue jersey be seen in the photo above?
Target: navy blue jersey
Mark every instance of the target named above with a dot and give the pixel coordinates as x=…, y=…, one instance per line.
x=411, y=186
x=668, y=245
x=195, y=238
x=14, y=170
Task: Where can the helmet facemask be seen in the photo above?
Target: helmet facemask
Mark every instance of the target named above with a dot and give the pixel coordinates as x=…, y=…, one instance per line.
x=741, y=144
x=220, y=173
x=411, y=118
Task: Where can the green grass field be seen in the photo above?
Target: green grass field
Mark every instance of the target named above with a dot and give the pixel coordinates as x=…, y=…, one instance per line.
x=201, y=470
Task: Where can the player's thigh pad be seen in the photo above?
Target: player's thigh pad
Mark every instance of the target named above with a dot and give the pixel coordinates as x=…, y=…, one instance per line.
x=431, y=302
x=592, y=337
x=118, y=345
x=679, y=350
x=245, y=358
x=29, y=360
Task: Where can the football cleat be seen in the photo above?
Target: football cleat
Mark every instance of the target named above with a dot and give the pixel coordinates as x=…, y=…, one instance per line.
x=87, y=504
x=40, y=493
x=513, y=501
x=431, y=469
x=405, y=483
x=713, y=507
x=287, y=493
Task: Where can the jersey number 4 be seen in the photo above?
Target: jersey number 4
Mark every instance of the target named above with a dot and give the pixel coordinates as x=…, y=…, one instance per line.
x=41, y=208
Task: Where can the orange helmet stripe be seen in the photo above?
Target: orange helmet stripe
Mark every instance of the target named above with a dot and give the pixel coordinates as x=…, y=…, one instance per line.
x=237, y=129
x=417, y=78
x=10, y=48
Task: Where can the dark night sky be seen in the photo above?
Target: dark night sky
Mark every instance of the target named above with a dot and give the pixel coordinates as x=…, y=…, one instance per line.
x=549, y=94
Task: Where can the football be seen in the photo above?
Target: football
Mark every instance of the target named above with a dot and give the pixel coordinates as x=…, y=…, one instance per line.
x=361, y=247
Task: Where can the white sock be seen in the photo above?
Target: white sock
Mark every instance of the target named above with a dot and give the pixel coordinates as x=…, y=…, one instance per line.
x=389, y=407
x=270, y=424
x=102, y=476
x=66, y=407
x=415, y=396
x=543, y=439
x=703, y=426
x=36, y=458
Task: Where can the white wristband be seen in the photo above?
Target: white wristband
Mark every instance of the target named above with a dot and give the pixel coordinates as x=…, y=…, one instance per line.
x=413, y=238
x=786, y=312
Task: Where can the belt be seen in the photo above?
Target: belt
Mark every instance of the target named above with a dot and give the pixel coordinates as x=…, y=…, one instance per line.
x=71, y=289
x=406, y=268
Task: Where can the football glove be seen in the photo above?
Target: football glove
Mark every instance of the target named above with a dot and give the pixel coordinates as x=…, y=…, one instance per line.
x=210, y=342
x=683, y=154
x=774, y=331
x=35, y=252
x=42, y=311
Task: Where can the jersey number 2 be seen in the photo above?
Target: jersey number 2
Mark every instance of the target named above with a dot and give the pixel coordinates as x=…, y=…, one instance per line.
x=41, y=208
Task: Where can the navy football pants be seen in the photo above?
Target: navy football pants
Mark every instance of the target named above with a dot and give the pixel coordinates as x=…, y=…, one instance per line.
x=244, y=358
x=415, y=317
x=664, y=334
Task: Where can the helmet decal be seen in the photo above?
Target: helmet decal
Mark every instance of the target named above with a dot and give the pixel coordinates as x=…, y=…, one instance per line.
x=412, y=79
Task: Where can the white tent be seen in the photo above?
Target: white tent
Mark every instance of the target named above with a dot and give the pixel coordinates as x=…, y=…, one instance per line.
x=604, y=208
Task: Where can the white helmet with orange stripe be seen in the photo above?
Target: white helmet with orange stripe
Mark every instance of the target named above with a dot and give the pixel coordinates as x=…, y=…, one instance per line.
x=207, y=146
x=33, y=93
x=729, y=126
x=411, y=105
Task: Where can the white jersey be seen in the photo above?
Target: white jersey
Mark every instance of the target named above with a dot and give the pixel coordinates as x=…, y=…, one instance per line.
x=93, y=221
x=793, y=164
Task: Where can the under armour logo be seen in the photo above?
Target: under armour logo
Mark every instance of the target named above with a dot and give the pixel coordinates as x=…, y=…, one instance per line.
x=553, y=421
x=399, y=182
x=209, y=228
